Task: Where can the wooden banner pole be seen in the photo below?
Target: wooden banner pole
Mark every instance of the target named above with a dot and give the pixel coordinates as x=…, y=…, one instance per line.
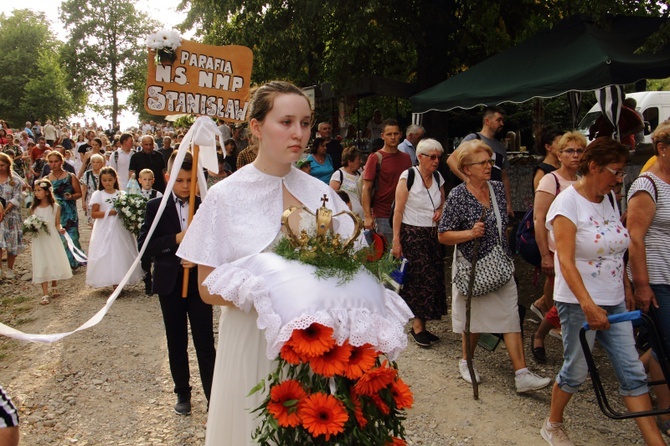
x=191, y=210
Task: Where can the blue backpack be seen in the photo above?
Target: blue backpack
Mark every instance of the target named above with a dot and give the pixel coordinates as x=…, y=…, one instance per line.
x=526, y=245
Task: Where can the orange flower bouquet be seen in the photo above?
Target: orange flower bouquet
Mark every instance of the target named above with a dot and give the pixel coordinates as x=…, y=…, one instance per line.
x=323, y=393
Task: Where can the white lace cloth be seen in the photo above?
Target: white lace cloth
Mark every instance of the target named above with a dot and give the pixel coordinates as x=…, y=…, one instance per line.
x=287, y=295
x=239, y=219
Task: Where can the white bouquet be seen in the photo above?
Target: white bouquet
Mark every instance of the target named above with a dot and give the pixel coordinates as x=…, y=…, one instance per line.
x=35, y=224
x=131, y=209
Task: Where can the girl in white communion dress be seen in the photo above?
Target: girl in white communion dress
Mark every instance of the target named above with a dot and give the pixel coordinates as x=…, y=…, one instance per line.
x=265, y=296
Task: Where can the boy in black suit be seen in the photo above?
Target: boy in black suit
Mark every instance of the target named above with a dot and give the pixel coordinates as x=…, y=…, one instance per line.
x=146, y=180
x=167, y=283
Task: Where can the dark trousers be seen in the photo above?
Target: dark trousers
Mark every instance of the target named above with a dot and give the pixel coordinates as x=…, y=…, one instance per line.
x=146, y=268
x=175, y=310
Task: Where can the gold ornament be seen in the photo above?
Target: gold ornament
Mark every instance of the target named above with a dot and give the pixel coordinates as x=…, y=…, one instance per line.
x=325, y=241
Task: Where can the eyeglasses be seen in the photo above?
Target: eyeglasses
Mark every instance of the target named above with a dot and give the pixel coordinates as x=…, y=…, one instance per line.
x=482, y=163
x=432, y=157
x=571, y=152
x=617, y=173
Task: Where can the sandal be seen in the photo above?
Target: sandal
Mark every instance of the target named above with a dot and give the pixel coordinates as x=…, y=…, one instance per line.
x=45, y=300
x=664, y=426
x=54, y=292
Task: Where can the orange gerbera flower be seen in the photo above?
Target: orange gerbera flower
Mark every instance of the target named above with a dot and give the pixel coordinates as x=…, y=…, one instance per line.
x=395, y=441
x=289, y=355
x=401, y=394
x=361, y=360
x=381, y=405
x=375, y=380
x=333, y=362
x=313, y=341
x=284, y=399
x=358, y=410
x=322, y=414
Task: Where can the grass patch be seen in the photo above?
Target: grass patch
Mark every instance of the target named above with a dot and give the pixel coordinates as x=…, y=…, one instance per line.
x=14, y=306
x=24, y=320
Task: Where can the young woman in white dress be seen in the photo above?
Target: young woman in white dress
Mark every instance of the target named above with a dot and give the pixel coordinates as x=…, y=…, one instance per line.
x=50, y=263
x=229, y=240
x=112, y=248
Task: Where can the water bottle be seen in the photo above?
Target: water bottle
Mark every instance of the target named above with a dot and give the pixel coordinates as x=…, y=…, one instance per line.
x=133, y=187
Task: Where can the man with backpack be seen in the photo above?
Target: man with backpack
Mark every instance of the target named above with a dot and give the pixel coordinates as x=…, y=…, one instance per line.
x=493, y=123
x=380, y=178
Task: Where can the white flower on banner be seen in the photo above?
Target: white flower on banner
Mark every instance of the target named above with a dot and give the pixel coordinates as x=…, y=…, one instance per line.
x=166, y=39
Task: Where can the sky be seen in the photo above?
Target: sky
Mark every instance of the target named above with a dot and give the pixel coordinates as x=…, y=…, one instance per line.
x=164, y=11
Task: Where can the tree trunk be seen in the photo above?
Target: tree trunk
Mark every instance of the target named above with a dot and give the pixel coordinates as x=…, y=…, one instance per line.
x=115, y=96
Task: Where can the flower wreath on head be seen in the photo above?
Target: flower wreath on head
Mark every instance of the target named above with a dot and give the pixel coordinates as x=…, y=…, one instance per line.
x=44, y=184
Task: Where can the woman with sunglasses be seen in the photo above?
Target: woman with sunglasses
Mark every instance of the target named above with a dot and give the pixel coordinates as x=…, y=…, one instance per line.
x=497, y=311
x=569, y=150
x=590, y=284
x=418, y=207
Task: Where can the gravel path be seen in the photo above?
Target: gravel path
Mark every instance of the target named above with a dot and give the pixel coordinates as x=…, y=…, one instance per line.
x=110, y=385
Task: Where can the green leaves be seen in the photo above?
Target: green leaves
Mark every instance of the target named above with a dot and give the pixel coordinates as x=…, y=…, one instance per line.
x=22, y=36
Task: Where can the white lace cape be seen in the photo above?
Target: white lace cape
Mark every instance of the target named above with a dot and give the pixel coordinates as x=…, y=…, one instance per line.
x=241, y=217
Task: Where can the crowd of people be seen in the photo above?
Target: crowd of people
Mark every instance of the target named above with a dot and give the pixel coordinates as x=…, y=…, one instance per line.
x=400, y=197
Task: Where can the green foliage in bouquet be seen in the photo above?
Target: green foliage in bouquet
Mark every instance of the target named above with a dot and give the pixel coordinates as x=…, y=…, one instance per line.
x=329, y=262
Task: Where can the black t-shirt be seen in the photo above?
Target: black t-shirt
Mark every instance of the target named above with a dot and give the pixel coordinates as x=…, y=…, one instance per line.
x=66, y=143
x=334, y=149
x=153, y=161
x=84, y=148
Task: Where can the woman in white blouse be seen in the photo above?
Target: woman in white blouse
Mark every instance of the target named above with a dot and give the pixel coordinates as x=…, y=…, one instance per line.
x=418, y=208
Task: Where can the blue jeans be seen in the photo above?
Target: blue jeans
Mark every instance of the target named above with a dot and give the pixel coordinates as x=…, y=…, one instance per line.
x=662, y=293
x=384, y=228
x=618, y=342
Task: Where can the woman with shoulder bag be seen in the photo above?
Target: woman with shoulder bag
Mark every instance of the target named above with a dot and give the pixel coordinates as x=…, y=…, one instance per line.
x=570, y=148
x=497, y=310
x=418, y=207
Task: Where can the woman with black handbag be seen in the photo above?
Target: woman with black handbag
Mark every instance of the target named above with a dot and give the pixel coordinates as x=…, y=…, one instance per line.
x=494, y=306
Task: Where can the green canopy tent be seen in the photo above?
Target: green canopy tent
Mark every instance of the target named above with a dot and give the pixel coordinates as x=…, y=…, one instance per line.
x=575, y=55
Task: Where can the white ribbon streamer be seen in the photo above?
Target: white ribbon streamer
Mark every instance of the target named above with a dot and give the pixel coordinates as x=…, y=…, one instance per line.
x=203, y=134
x=78, y=254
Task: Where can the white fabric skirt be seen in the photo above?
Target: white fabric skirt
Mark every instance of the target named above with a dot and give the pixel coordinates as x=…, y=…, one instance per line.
x=241, y=362
x=496, y=312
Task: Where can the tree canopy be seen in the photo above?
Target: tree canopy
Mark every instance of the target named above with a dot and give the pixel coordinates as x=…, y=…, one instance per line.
x=105, y=52
x=31, y=79
x=417, y=41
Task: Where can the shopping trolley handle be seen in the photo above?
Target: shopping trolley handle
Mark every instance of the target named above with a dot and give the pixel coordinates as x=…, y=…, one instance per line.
x=620, y=317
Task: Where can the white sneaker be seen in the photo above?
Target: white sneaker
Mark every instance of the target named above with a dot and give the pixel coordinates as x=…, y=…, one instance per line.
x=465, y=373
x=9, y=274
x=529, y=381
x=555, y=436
